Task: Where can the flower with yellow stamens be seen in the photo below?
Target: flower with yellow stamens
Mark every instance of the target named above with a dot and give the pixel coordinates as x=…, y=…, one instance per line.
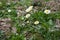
x=47, y=11
x=36, y=22
x=27, y=15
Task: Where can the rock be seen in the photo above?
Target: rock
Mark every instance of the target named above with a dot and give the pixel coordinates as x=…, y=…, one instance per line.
x=5, y=26
x=54, y=5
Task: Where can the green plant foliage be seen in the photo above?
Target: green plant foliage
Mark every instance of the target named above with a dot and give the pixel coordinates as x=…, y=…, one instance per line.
x=26, y=29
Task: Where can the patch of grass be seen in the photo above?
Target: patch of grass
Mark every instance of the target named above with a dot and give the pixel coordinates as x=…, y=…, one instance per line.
x=44, y=30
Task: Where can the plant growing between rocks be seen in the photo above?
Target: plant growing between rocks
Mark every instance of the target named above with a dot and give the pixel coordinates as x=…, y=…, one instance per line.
x=29, y=20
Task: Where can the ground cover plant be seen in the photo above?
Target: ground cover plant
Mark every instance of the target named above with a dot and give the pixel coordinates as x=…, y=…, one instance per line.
x=29, y=20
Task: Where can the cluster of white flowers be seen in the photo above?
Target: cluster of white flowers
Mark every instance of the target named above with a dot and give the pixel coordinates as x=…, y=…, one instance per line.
x=28, y=15
x=31, y=7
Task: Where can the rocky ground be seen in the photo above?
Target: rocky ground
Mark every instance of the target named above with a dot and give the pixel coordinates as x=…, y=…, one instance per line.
x=12, y=27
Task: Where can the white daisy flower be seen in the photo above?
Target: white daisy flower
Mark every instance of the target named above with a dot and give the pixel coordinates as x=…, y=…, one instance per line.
x=36, y=22
x=47, y=11
x=9, y=10
x=27, y=15
x=29, y=9
x=27, y=21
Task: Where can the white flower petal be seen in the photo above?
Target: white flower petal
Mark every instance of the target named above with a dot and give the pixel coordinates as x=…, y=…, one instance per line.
x=47, y=11
x=27, y=15
x=9, y=10
x=36, y=22
x=29, y=9
x=27, y=21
